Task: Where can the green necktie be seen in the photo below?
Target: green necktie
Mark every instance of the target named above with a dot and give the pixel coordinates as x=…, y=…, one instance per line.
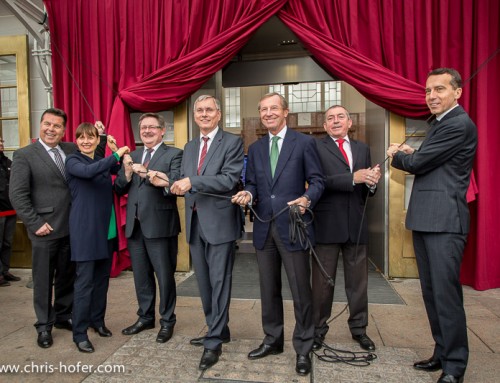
x=274, y=154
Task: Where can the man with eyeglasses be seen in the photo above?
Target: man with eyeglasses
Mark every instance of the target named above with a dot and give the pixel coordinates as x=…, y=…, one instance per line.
x=212, y=163
x=7, y=220
x=152, y=224
x=40, y=195
x=279, y=166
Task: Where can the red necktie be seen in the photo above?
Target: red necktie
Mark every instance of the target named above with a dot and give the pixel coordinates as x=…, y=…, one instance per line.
x=341, y=141
x=203, y=153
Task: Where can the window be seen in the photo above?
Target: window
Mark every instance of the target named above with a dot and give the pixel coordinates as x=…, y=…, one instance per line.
x=310, y=97
x=232, y=107
x=14, y=93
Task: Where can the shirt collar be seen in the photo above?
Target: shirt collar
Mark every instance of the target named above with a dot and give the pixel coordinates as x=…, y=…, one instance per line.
x=441, y=116
x=155, y=148
x=210, y=135
x=49, y=148
x=281, y=134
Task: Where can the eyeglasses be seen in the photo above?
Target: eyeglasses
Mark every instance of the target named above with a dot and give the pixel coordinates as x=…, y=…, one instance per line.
x=205, y=110
x=150, y=127
x=272, y=109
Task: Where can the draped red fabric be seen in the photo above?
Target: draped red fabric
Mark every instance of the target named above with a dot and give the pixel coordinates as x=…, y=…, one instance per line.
x=111, y=57
x=386, y=48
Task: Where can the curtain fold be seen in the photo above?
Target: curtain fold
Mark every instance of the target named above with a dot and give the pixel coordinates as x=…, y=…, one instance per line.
x=386, y=48
x=111, y=57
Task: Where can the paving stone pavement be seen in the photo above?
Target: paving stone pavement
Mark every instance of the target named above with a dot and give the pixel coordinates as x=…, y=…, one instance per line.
x=177, y=361
x=401, y=333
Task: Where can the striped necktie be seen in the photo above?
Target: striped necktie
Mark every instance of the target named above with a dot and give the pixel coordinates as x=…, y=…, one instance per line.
x=59, y=161
x=203, y=153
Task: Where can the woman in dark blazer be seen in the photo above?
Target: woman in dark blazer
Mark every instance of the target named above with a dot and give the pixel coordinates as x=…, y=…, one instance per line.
x=92, y=227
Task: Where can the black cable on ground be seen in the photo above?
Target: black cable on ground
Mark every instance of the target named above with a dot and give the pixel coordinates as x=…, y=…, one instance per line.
x=332, y=355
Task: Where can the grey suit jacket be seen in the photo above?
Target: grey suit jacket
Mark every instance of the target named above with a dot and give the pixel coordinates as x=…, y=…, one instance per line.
x=156, y=209
x=219, y=218
x=38, y=190
x=442, y=167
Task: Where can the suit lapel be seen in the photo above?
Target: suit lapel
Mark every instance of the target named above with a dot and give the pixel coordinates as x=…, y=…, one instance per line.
x=47, y=159
x=332, y=147
x=354, y=152
x=286, y=151
x=213, y=148
x=162, y=149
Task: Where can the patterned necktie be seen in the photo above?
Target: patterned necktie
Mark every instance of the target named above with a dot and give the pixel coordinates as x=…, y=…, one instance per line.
x=273, y=158
x=203, y=153
x=148, y=157
x=341, y=141
x=59, y=161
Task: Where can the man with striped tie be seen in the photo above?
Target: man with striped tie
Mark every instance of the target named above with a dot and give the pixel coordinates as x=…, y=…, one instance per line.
x=153, y=224
x=211, y=164
x=40, y=195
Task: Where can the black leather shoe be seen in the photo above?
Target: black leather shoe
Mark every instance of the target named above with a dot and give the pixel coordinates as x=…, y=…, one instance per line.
x=317, y=345
x=209, y=358
x=303, y=366
x=137, y=327
x=265, y=350
x=447, y=378
x=9, y=277
x=198, y=342
x=165, y=334
x=45, y=339
x=103, y=331
x=64, y=325
x=430, y=364
x=85, y=346
x=365, y=342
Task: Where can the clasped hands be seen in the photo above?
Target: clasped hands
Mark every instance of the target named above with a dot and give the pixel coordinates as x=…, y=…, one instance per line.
x=369, y=176
x=156, y=178
x=394, y=148
x=243, y=198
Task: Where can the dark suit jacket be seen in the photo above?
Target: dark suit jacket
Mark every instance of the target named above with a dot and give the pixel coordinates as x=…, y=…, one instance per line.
x=442, y=168
x=298, y=163
x=38, y=190
x=5, y=164
x=338, y=212
x=219, y=218
x=156, y=209
x=92, y=197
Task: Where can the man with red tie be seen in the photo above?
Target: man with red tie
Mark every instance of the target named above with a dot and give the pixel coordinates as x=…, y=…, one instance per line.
x=211, y=164
x=349, y=177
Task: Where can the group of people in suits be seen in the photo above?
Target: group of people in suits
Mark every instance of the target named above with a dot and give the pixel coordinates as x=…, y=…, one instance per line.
x=331, y=177
x=312, y=175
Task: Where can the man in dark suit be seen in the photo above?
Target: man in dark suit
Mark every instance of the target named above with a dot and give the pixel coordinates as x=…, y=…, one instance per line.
x=39, y=193
x=438, y=215
x=7, y=220
x=152, y=224
x=212, y=164
x=349, y=178
x=279, y=165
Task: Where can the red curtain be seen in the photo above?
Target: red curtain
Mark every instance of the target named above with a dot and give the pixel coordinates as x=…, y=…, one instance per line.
x=150, y=55
x=111, y=57
x=386, y=48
